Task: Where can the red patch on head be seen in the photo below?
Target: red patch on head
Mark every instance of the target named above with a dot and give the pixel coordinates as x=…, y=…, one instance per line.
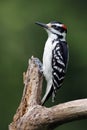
x=63, y=26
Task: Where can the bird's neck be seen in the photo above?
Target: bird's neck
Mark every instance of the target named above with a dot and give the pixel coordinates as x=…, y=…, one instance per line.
x=54, y=37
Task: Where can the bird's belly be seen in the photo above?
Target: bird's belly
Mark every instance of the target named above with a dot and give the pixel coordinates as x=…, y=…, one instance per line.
x=47, y=64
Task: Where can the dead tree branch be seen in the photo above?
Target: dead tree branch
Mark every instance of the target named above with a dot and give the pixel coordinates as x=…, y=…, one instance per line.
x=30, y=115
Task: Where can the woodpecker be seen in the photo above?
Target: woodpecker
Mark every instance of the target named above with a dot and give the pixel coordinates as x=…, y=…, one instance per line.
x=55, y=57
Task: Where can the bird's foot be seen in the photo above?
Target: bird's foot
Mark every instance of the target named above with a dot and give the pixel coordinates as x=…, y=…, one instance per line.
x=39, y=64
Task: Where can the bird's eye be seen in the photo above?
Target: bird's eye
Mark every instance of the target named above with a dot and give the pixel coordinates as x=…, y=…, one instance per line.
x=54, y=26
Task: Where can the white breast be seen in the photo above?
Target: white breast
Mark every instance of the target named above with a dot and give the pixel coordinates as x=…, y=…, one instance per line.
x=47, y=58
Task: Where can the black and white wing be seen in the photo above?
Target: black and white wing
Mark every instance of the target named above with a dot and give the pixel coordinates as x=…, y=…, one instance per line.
x=59, y=65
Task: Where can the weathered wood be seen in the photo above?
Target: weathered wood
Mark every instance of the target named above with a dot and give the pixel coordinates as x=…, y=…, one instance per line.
x=30, y=115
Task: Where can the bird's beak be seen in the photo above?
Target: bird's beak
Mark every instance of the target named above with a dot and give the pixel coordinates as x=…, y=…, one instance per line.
x=46, y=26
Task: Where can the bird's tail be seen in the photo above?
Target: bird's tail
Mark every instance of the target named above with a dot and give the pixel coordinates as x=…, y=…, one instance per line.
x=48, y=93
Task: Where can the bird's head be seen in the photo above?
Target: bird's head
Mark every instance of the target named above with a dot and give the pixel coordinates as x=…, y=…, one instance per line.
x=55, y=28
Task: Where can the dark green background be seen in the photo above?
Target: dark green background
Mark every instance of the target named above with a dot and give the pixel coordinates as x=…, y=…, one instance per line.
x=20, y=38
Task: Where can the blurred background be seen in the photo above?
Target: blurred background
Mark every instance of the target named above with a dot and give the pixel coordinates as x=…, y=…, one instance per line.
x=20, y=38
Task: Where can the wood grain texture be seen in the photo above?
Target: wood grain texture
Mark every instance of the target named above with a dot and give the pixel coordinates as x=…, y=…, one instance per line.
x=30, y=115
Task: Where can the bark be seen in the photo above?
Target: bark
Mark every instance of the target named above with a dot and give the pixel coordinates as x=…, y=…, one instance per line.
x=30, y=115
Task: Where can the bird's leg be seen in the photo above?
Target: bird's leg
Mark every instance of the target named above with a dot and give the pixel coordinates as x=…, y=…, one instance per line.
x=39, y=64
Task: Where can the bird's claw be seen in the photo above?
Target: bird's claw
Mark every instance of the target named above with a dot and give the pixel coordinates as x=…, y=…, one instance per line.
x=39, y=64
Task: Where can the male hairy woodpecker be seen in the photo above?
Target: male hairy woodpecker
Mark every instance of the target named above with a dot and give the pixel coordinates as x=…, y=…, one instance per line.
x=55, y=57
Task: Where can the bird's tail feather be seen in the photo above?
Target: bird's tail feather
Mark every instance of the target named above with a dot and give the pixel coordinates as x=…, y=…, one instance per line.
x=47, y=94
